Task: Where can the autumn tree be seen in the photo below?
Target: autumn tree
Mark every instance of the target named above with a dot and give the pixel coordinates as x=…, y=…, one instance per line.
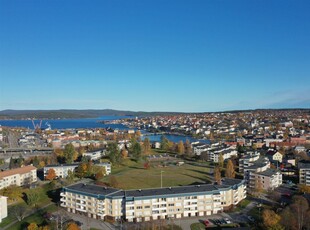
x=188, y=148
x=299, y=207
x=258, y=187
x=288, y=219
x=146, y=145
x=180, y=147
x=114, y=153
x=221, y=160
x=164, y=143
x=72, y=226
x=33, y=226
x=304, y=188
x=70, y=176
x=13, y=192
x=230, y=170
x=51, y=174
x=113, y=182
x=217, y=175
x=270, y=219
x=69, y=153
x=124, y=153
x=19, y=211
x=81, y=170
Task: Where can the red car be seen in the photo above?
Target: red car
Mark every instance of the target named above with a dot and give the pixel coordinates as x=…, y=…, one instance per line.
x=206, y=223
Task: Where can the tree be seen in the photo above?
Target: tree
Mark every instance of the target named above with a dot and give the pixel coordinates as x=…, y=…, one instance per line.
x=188, y=148
x=69, y=153
x=288, y=219
x=135, y=149
x=35, y=161
x=304, y=188
x=113, y=182
x=180, y=147
x=299, y=207
x=146, y=145
x=81, y=170
x=72, y=226
x=230, y=170
x=99, y=175
x=164, y=143
x=221, y=160
x=13, y=192
x=270, y=218
x=51, y=174
x=32, y=226
x=258, y=189
x=217, y=175
x=124, y=153
x=114, y=153
x=32, y=198
x=19, y=212
x=70, y=177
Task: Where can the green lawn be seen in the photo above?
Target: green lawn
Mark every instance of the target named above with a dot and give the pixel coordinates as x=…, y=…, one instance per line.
x=242, y=205
x=197, y=226
x=37, y=218
x=132, y=175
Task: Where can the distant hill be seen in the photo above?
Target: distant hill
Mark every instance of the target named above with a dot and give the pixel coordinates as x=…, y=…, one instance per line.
x=72, y=113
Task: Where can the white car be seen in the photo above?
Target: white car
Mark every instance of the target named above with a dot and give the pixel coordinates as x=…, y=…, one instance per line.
x=228, y=221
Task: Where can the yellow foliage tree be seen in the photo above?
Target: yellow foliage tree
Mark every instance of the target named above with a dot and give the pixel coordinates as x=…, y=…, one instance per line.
x=32, y=226
x=270, y=218
x=73, y=226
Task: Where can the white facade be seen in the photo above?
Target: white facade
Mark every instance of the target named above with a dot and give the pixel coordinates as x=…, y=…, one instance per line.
x=304, y=173
x=61, y=170
x=21, y=176
x=256, y=170
x=3, y=208
x=107, y=167
x=151, y=204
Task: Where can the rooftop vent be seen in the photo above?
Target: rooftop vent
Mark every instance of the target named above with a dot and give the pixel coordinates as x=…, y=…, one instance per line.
x=139, y=190
x=170, y=188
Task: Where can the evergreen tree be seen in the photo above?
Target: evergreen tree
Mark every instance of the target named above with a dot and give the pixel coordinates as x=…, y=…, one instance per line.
x=69, y=153
x=164, y=143
x=135, y=149
x=114, y=153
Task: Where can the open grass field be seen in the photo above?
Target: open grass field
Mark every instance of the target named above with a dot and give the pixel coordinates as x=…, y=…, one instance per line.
x=132, y=175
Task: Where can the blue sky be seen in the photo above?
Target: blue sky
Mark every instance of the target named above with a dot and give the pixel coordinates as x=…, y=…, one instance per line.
x=160, y=55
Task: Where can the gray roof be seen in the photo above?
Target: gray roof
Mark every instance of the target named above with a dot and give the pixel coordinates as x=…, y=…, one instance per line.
x=91, y=189
x=191, y=189
x=269, y=172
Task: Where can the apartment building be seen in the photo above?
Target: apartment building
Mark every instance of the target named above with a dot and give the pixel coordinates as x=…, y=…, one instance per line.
x=107, y=166
x=198, y=148
x=304, y=172
x=227, y=153
x=152, y=204
x=20, y=176
x=257, y=172
x=3, y=207
x=61, y=170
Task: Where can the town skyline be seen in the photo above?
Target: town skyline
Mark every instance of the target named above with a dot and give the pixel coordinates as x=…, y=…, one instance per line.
x=145, y=56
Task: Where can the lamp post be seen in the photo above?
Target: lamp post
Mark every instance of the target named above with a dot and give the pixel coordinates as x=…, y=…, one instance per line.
x=161, y=179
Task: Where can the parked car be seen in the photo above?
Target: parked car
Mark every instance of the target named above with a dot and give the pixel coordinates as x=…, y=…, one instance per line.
x=206, y=223
x=228, y=221
x=251, y=218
